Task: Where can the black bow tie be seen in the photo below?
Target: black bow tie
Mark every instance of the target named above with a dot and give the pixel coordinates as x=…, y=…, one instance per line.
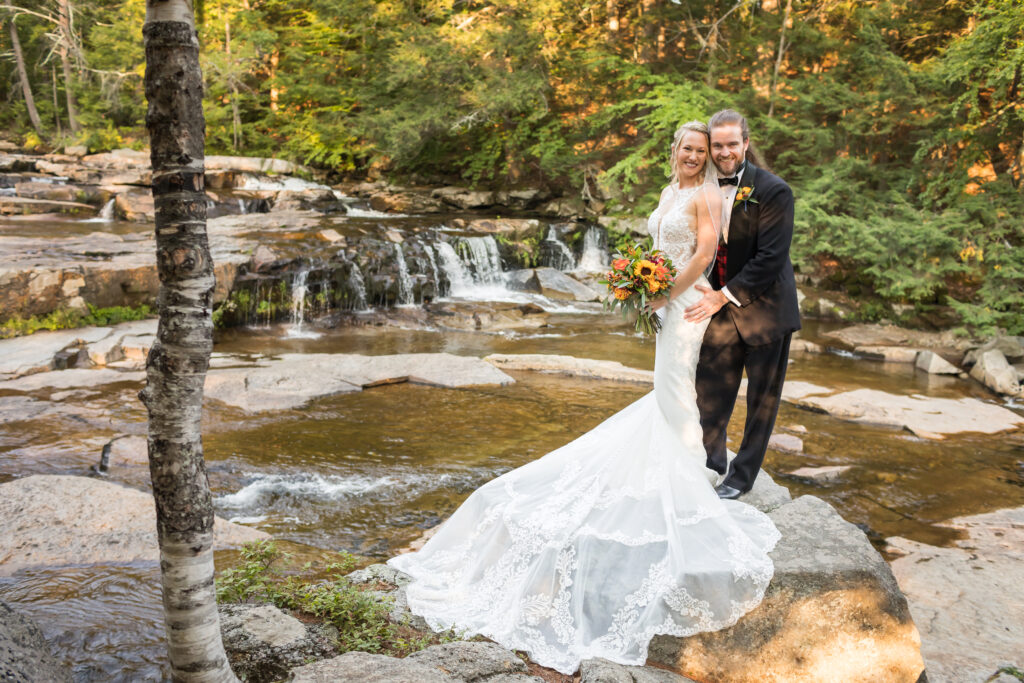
x=735, y=180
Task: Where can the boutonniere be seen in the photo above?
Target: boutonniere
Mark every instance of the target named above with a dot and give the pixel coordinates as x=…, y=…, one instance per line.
x=743, y=196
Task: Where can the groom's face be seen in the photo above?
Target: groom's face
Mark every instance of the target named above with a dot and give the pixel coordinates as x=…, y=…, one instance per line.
x=728, y=148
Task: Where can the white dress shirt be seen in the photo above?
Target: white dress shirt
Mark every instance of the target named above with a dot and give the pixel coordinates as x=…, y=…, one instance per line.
x=728, y=198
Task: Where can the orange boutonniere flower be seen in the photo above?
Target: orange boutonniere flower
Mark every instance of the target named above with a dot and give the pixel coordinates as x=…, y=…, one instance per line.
x=743, y=196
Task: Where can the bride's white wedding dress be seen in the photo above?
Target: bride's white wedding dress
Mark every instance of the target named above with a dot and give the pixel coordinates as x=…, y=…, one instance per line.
x=616, y=537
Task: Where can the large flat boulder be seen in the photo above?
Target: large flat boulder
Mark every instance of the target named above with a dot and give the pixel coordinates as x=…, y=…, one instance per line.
x=871, y=334
x=833, y=612
x=555, y=284
x=263, y=643
x=56, y=520
x=35, y=353
x=926, y=416
x=25, y=656
x=571, y=366
x=292, y=380
x=967, y=599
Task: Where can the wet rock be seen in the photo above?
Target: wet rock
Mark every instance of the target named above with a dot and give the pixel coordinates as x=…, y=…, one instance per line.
x=458, y=315
x=469, y=661
x=368, y=668
x=21, y=408
x=51, y=520
x=292, y=380
x=804, y=346
x=891, y=335
x=380, y=572
x=128, y=451
x=821, y=474
x=135, y=207
x=523, y=280
x=404, y=202
x=787, y=443
x=34, y=353
x=1012, y=349
x=564, y=208
x=925, y=416
x=252, y=165
x=972, y=588
x=71, y=379
x=833, y=611
x=50, y=191
x=16, y=206
x=126, y=340
x=992, y=369
x=464, y=198
x=262, y=256
x=889, y=354
x=25, y=656
x=934, y=364
x=330, y=235
x=766, y=495
x=555, y=284
x=603, y=671
x=513, y=227
x=263, y=643
x=827, y=309
x=568, y=365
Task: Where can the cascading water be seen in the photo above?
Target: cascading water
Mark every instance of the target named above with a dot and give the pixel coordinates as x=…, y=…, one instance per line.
x=241, y=206
x=484, y=259
x=459, y=279
x=107, y=212
x=404, y=281
x=433, y=269
x=594, y=257
x=299, y=291
x=355, y=281
x=564, y=260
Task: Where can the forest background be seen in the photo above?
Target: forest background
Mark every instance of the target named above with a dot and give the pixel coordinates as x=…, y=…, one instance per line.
x=900, y=125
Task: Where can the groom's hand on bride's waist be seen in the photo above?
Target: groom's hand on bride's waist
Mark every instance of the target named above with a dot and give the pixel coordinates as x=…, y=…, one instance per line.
x=709, y=304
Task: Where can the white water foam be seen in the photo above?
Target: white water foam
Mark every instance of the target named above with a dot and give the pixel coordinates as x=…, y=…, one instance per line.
x=353, y=212
x=310, y=486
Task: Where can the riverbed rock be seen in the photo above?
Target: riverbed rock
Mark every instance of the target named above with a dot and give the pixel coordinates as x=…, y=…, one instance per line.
x=76, y=378
x=555, y=284
x=263, y=643
x=833, y=612
x=571, y=366
x=603, y=671
x=993, y=370
x=1011, y=347
x=25, y=656
x=368, y=668
x=35, y=353
x=821, y=474
x=787, y=443
x=873, y=334
x=889, y=354
x=464, y=198
x=766, y=495
x=804, y=346
x=58, y=520
x=512, y=227
x=124, y=340
x=482, y=316
x=17, y=206
x=470, y=661
x=926, y=416
x=972, y=588
x=934, y=364
x=292, y=380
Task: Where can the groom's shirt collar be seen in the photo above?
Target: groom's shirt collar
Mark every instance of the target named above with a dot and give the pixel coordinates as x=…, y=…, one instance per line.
x=739, y=173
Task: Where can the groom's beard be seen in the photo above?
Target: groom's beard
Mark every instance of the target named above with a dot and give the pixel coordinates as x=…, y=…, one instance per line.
x=727, y=167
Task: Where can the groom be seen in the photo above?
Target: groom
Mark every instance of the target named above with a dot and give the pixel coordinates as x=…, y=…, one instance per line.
x=752, y=306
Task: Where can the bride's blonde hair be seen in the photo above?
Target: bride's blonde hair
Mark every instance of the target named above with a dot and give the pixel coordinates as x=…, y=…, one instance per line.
x=696, y=127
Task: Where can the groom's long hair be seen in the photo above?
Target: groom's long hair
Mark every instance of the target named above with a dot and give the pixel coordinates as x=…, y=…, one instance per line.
x=731, y=117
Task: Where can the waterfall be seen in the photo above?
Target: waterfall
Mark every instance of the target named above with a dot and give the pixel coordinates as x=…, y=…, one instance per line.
x=433, y=269
x=565, y=260
x=107, y=212
x=241, y=206
x=485, y=259
x=355, y=281
x=299, y=291
x=404, y=281
x=459, y=278
x=594, y=257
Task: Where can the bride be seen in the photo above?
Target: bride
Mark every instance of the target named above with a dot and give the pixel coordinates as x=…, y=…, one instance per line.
x=595, y=548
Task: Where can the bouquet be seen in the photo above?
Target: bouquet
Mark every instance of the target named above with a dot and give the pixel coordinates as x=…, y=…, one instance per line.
x=636, y=279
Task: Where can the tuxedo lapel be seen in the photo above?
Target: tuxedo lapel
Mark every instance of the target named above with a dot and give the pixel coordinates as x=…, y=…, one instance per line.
x=742, y=222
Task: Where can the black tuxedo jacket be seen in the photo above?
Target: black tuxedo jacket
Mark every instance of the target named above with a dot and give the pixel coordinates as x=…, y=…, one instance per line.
x=759, y=273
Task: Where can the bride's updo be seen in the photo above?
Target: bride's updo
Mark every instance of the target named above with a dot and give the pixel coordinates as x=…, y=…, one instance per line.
x=696, y=127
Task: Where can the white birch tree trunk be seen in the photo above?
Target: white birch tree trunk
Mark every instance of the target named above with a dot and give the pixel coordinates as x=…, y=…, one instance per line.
x=177, y=363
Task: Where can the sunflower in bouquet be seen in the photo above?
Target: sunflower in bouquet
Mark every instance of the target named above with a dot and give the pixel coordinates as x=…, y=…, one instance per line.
x=636, y=279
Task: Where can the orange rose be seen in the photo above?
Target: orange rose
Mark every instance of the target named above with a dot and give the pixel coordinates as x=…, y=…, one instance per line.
x=620, y=264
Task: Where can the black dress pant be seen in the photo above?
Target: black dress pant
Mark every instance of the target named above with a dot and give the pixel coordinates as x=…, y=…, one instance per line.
x=723, y=358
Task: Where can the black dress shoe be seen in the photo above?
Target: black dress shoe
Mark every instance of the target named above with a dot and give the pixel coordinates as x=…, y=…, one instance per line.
x=727, y=492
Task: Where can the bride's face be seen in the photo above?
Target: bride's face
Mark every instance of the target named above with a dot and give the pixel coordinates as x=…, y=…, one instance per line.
x=691, y=155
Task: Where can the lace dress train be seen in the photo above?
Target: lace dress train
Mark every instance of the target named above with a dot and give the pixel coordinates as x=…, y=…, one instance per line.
x=595, y=548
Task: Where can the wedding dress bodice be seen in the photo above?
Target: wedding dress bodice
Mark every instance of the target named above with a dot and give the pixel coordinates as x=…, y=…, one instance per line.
x=670, y=224
x=595, y=548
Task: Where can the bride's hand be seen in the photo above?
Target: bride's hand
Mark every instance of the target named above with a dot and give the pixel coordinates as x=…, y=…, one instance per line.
x=657, y=304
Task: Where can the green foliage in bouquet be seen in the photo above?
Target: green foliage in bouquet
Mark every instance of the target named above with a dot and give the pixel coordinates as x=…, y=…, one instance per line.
x=637, y=278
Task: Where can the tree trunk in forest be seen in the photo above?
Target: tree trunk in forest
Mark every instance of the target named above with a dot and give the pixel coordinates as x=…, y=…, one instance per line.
x=274, y=57
x=26, y=89
x=56, y=103
x=612, y=7
x=236, y=118
x=64, y=50
x=783, y=46
x=178, y=361
x=649, y=32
